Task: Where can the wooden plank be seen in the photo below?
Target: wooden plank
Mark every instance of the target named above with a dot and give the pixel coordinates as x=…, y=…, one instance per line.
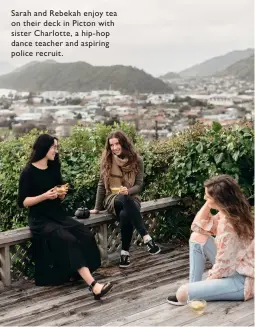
x=244, y=320
x=14, y=236
x=138, y=298
x=116, y=307
x=165, y=315
x=141, y=262
x=74, y=301
x=103, y=244
x=111, y=310
x=77, y=302
x=155, y=315
x=147, y=206
x=21, y=234
x=227, y=311
x=162, y=203
x=6, y=266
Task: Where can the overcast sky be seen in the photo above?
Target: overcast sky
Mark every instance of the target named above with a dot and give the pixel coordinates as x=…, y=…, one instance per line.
x=155, y=35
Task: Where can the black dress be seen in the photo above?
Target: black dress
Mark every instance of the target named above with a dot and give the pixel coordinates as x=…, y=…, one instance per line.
x=61, y=244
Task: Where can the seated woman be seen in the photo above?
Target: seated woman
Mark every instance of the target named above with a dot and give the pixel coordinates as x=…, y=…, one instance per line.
x=62, y=245
x=231, y=252
x=121, y=180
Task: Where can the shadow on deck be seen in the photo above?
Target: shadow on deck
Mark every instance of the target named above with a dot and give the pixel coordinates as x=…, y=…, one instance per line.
x=138, y=298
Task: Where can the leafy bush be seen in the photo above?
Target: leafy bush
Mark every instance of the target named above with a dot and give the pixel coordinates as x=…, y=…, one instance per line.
x=180, y=165
x=177, y=166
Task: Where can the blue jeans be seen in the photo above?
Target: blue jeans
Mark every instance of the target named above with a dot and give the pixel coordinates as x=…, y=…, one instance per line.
x=224, y=289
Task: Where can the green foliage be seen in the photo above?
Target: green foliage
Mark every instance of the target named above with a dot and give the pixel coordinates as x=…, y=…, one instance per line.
x=177, y=166
x=180, y=165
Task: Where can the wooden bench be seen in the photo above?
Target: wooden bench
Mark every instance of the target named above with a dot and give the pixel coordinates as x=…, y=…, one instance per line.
x=99, y=221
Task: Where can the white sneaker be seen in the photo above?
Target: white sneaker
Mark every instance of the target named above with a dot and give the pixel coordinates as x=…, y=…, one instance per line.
x=172, y=299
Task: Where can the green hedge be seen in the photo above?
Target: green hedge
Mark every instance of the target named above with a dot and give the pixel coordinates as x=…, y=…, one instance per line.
x=175, y=167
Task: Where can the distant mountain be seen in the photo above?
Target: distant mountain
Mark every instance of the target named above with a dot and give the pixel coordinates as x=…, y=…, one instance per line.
x=81, y=76
x=5, y=67
x=32, y=63
x=242, y=69
x=216, y=64
x=170, y=75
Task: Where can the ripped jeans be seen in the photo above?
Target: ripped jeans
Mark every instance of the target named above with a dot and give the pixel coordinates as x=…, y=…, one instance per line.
x=224, y=289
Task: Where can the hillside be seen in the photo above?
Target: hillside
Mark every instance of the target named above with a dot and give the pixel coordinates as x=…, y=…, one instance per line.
x=243, y=69
x=216, y=64
x=81, y=76
x=170, y=75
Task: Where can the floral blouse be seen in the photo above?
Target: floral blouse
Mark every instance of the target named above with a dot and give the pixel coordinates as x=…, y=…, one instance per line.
x=233, y=255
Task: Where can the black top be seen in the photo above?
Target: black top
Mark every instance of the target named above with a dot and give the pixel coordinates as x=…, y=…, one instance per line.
x=34, y=182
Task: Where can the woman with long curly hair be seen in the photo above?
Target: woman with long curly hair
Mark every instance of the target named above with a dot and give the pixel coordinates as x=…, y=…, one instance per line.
x=121, y=180
x=231, y=252
x=63, y=247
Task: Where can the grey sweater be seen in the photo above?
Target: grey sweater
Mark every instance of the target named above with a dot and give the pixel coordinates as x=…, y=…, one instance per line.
x=134, y=190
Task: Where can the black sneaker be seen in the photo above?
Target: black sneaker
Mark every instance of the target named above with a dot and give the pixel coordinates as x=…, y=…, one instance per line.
x=172, y=299
x=152, y=247
x=124, y=261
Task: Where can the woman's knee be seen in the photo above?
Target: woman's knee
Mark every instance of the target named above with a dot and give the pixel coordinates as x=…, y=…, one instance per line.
x=198, y=237
x=182, y=293
x=119, y=200
x=123, y=216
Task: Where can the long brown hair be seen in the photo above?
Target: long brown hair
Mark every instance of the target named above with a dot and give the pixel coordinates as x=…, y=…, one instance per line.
x=227, y=194
x=128, y=152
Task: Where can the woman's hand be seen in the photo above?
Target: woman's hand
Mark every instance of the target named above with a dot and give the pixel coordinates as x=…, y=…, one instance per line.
x=50, y=195
x=123, y=190
x=207, y=204
x=94, y=211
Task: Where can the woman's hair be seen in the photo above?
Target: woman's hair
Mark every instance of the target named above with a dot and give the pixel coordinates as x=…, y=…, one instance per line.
x=56, y=164
x=41, y=147
x=128, y=152
x=226, y=192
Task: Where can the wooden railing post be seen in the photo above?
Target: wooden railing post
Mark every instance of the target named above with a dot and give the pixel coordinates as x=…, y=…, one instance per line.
x=103, y=244
x=5, y=270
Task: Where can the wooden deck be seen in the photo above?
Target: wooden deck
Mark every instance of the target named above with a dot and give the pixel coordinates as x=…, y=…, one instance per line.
x=138, y=298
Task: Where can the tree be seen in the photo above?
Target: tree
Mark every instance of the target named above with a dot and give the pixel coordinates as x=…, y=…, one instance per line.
x=30, y=100
x=112, y=120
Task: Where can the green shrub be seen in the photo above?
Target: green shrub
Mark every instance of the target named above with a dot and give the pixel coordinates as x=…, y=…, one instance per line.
x=180, y=165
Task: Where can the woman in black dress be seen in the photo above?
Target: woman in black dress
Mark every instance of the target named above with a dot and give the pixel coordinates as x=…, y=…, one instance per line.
x=62, y=245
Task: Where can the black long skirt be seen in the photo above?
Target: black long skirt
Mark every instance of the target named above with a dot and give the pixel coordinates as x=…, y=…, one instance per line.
x=59, y=250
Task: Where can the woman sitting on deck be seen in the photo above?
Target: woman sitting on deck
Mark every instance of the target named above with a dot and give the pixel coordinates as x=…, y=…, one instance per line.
x=121, y=180
x=231, y=252
x=62, y=245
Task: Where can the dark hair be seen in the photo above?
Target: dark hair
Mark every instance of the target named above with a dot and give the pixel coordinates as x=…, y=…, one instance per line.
x=56, y=164
x=41, y=147
x=228, y=195
x=128, y=152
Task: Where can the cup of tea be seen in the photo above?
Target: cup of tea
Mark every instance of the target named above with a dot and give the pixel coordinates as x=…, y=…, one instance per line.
x=60, y=189
x=115, y=189
x=198, y=306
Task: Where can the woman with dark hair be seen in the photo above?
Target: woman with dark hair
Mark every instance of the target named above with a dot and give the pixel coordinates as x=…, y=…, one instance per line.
x=62, y=245
x=121, y=180
x=231, y=252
